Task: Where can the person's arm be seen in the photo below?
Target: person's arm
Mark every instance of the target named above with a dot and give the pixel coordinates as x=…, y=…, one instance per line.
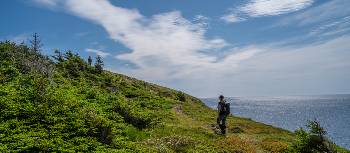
x=218, y=108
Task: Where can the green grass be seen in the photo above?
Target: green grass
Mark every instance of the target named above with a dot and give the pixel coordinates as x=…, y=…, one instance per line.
x=72, y=108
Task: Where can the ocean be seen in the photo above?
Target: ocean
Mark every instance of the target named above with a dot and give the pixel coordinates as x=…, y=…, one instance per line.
x=293, y=112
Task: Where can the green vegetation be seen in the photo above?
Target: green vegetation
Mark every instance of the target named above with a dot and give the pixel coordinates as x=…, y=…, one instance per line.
x=64, y=104
x=313, y=141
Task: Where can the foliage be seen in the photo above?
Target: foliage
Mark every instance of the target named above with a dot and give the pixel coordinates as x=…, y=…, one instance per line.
x=99, y=64
x=175, y=143
x=36, y=43
x=237, y=145
x=181, y=96
x=273, y=145
x=90, y=60
x=312, y=141
x=68, y=110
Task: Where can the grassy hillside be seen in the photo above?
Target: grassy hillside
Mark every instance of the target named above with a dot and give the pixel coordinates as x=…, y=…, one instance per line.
x=63, y=104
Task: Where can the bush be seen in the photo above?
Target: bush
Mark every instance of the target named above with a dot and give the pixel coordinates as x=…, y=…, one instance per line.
x=175, y=143
x=136, y=118
x=181, y=96
x=236, y=144
x=311, y=141
x=99, y=126
x=274, y=146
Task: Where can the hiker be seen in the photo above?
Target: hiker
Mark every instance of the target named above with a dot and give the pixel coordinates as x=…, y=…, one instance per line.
x=223, y=112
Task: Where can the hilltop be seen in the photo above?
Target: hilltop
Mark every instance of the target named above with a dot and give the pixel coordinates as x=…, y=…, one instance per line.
x=66, y=104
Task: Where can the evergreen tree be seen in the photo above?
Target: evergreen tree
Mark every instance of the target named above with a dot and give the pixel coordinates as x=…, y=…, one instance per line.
x=312, y=141
x=90, y=60
x=69, y=55
x=58, y=56
x=36, y=43
x=99, y=64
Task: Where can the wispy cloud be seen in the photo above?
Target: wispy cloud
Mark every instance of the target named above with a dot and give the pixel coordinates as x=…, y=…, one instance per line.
x=81, y=34
x=48, y=3
x=327, y=11
x=163, y=46
x=201, y=20
x=98, y=52
x=259, y=8
x=277, y=70
x=231, y=18
x=332, y=28
x=327, y=20
x=24, y=37
x=167, y=47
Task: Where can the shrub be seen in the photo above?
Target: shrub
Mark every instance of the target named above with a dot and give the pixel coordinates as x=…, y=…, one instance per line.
x=313, y=140
x=139, y=120
x=175, y=143
x=181, y=96
x=274, y=146
x=7, y=73
x=236, y=144
x=99, y=127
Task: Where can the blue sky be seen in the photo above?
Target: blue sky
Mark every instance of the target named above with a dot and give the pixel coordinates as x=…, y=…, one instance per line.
x=203, y=47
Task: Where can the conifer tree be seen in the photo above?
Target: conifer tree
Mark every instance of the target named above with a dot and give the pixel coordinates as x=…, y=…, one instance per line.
x=90, y=60
x=99, y=64
x=36, y=43
x=58, y=56
x=69, y=55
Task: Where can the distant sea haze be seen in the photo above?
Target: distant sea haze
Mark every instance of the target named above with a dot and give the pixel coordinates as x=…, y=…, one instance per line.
x=293, y=112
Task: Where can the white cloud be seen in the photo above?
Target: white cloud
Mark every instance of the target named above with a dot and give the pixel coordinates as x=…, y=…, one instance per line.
x=171, y=50
x=98, y=52
x=164, y=46
x=49, y=3
x=20, y=38
x=332, y=28
x=327, y=11
x=324, y=21
x=318, y=68
x=231, y=18
x=259, y=8
x=201, y=21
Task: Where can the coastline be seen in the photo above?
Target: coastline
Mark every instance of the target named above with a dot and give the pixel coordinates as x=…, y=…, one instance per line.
x=281, y=112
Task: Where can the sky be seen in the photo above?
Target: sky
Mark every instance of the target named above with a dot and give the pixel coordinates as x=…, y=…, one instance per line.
x=202, y=47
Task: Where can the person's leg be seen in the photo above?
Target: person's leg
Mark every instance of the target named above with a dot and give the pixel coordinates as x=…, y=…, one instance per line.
x=224, y=125
x=218, y=120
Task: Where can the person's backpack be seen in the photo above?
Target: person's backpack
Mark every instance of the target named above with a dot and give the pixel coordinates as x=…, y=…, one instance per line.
x=227, y=108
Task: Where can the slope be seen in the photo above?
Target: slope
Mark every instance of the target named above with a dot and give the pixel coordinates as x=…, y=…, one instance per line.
x=64, y=104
